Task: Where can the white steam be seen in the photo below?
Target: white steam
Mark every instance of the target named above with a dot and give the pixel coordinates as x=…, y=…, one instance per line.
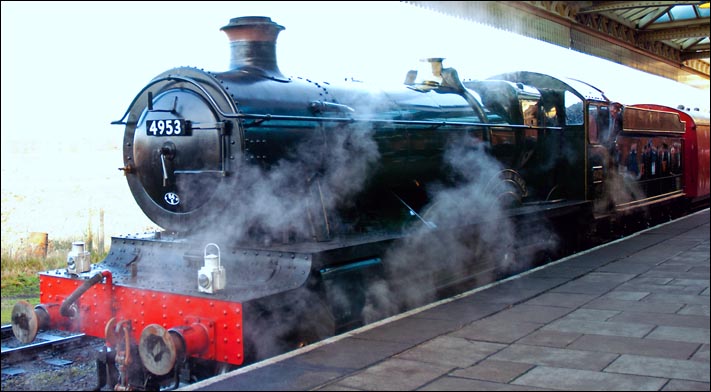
x=473, y=241
x=295, y=198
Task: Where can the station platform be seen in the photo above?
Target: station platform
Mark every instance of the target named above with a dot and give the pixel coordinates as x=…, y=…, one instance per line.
x=632, y=314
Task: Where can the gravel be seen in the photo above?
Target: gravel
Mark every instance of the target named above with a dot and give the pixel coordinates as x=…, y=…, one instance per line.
x=72, y=369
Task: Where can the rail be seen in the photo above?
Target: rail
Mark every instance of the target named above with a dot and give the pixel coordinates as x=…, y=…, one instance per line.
x=43, y=341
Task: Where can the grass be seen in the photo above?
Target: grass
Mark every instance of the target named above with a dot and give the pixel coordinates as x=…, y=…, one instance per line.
x=20, y=274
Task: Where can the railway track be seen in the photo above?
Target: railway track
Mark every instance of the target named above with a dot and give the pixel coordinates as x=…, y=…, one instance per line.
x=55, y=361
x=14, y=351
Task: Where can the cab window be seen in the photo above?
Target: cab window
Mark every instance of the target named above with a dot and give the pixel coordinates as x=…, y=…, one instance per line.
x=573, y=109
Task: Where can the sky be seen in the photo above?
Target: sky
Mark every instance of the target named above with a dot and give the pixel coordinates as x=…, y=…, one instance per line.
x=71, y=68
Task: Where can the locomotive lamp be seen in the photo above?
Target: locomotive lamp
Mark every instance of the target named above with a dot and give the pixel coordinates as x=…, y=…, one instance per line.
x=78, y=260
x=211, y=277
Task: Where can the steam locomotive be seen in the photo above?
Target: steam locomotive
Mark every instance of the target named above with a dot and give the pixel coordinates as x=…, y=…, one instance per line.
x=294, y=209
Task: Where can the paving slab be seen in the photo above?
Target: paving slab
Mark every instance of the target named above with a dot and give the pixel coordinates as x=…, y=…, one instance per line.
x=592, y=314
x=626, y=295
x=394, y=374
x=672, y=320
x=493, y=370
x=681, y=334
x=640, y=306
x=276, y=377
x=568, y=300
x=600, y=327
x=659, y=298
x=550, y=338
x=461, y=311
x=419, y=330
x=451, y=351
x=637, y=346
x=683, y=385
x=702, y=354
x=585, y=380
x=695, y=310
x=638, y=285
x=493, y=331
x=449, y=383
x=352, y=353
x=660, y=367
x=529, y=313
x=551, y=356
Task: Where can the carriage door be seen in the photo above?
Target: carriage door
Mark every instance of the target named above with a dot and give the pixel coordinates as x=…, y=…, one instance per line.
x=597, y=127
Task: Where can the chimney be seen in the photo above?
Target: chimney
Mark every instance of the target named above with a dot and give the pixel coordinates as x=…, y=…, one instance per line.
x=253, y=43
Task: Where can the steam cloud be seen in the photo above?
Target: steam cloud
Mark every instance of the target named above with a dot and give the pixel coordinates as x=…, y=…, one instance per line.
x=323, y=173
x=426, y=258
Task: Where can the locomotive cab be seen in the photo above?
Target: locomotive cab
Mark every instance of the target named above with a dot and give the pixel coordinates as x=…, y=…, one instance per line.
x=514, y=103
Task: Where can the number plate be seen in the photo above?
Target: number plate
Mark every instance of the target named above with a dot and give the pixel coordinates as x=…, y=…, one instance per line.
x=175, y=127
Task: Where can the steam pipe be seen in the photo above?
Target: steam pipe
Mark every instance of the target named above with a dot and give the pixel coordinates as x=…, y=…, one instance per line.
x=66, y=309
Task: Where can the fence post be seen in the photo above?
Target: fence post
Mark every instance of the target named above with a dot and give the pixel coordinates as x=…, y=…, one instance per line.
x=38, y=244
x=101, y=232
